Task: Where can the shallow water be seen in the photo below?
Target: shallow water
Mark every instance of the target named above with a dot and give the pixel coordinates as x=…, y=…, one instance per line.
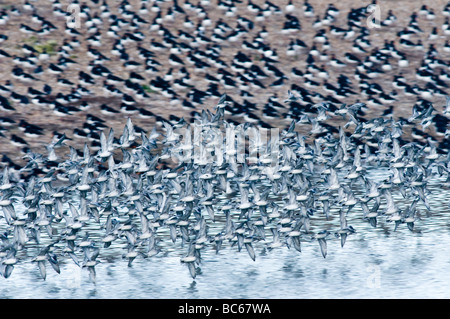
x=374, y=263
x=395, y=266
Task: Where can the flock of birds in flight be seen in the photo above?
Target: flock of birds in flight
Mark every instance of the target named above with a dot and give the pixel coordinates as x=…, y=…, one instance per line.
x=125, y=194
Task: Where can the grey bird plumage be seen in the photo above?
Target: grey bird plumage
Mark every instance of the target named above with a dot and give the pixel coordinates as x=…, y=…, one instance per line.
x=127, y=197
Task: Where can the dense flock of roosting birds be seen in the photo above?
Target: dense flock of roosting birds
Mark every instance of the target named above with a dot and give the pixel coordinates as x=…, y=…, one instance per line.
x=127, y=194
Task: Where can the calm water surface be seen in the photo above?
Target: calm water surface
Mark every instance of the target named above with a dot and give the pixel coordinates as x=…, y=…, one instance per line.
x=374, y=263
x=396, y=266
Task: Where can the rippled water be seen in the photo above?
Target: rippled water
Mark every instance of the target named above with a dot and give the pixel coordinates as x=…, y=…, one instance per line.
x=377, y=266
x=374, y=263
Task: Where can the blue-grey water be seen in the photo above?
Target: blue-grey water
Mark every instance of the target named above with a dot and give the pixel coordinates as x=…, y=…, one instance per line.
x=374, y=263
x=372, y=266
